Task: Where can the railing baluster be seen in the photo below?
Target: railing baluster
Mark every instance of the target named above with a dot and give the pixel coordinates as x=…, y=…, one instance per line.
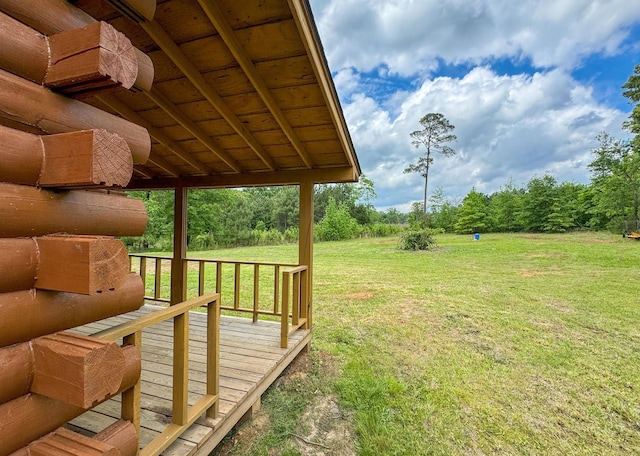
x=201, y=277
x=143, y=273
x=213, y=355
x=236, y=288
x=276, y=288
x=158, y=279
x=256, y=291
x=304, y=308
x=295, y=319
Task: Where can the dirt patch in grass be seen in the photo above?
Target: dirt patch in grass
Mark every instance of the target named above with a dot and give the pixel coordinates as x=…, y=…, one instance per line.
x=538, y=273
x=362, y=295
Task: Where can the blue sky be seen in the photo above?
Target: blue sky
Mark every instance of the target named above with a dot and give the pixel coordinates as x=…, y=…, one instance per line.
x=527, y=84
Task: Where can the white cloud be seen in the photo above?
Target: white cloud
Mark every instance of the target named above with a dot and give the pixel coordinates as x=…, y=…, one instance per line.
x=408, y=36
x=508, y=127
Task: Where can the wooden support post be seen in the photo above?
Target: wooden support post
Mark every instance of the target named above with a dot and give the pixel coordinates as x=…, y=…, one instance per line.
x=33, y=416
x=65, y=160
x=54, y=16
x=28, y=211
x=64, y=442
x=178, y=269
x=93, y=58
x=25, y=315
x=29, y=105
x=305, y=245
x=122, y=435
x=75, y=369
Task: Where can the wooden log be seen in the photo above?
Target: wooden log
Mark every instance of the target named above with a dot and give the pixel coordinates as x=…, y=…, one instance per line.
x=91, y=58
x=81, y=264
x=33, y=416
x=63, y=442
x=19, y=41
x=28, y=211
x=54, y=16
x=50, y=311
x=78, y=370
x=17, y=371
x=18, y=264
x=75, y=264
x=122, y=435
x=30, y=105
x=66, y=160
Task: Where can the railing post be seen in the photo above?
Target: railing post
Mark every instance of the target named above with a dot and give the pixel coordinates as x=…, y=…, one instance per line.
x=276, y=287
x=180, y=368
x=200, y=277
x=143, y=272
x=295, y=318
x=284, y=319
x=304, y=307
x=236, y=287
x=213, y=354
x=130, y=406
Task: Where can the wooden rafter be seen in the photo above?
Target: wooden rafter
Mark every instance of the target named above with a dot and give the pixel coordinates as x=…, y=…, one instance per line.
x=157, y=134
x=301, y=15
x=216, y=16
x=167, y=106
x=160, y=36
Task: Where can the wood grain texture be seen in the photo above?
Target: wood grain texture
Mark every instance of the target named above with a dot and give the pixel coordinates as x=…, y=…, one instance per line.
x=93, y=58
x=78, y=370
x=31, y=105
x=33, y=416
x=17, y=371
x=27, y=211
x=81, y=264
x=51, y=311
x=63, y=442
x=122, y=435
x=18, y=263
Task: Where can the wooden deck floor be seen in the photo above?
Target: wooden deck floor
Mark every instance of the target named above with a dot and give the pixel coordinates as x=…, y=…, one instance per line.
x=250, y=361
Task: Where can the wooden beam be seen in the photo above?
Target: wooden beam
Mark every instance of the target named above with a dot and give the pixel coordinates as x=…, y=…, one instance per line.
x=160, y=36
x=156, y=133
x=289, y=177
x=17, y=41
x=65, y=160
x=50, y=311
x=137, y=10
x=63, y=442
x=17, y=371
x=178, y=266
x=81, y=264
x=75, y=369
x=54, y=16
x=95, y=57
x=32, y=105
x=217, y=17
x=167, y=106
x=27, y=211
x=309, y=34
x=33, y=416
x=19, y=264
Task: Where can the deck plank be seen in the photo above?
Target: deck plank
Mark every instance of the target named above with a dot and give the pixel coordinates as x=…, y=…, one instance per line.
x=250, y=360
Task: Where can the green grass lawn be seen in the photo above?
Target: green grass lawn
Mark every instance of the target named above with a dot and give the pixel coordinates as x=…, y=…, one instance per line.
x=514, y=344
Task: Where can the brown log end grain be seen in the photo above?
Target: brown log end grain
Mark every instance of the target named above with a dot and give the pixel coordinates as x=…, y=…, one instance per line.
x=92, y=58
x=75, y=369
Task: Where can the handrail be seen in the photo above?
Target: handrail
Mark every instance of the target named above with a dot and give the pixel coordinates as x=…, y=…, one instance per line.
x=183, y=415
x=290, y=288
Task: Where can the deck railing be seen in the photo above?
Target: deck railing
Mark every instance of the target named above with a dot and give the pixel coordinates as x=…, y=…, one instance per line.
x=285, y=298
x=183, y=416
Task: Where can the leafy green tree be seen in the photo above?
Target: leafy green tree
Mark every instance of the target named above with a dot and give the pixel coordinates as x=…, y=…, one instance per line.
x=505, y=208
x=473, y=215
x=435, y=133
x=538, y=202
x=443, y=211
x=615, y=175
x=337, y=224
x=392, y=216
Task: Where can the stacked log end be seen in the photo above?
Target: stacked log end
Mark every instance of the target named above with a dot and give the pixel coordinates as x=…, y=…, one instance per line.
x=61, y=265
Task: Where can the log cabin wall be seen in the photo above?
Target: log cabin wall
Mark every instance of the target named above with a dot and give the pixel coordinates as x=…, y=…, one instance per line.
x=62, y=163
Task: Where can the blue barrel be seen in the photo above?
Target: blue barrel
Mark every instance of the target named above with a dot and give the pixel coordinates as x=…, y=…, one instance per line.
x=476, y=237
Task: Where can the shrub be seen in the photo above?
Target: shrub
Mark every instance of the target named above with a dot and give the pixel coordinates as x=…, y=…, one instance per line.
x=417, y=240
x=337, y=224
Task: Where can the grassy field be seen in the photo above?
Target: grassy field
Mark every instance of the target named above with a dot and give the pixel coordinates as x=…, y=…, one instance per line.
x=514, y=344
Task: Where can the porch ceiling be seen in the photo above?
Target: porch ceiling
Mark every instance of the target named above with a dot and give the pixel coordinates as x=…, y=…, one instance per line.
x=242, y=95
